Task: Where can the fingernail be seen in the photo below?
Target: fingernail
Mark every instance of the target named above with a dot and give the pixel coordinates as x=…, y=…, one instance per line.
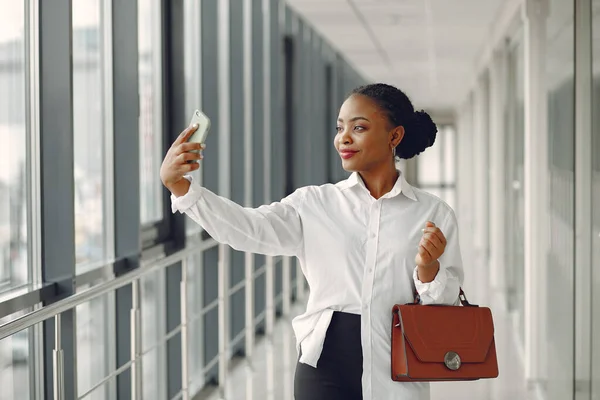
x=195, y=126
x=423, y=230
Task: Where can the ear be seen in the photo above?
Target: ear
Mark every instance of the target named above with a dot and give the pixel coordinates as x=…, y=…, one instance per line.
x=396, y=136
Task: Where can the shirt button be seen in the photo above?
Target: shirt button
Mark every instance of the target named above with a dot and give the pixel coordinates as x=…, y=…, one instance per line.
x=372, y=235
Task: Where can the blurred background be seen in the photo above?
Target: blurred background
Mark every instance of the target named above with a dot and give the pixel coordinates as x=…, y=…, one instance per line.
x=105, y=293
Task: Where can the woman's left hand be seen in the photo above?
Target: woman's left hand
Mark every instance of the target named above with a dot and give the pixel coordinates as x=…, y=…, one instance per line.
x=431, y=246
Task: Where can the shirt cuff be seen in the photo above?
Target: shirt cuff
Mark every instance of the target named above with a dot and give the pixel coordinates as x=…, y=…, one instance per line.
x=182, y=203
x=431, y=292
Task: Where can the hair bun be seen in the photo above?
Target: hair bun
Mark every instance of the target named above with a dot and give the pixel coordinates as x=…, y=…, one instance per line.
x=420, y=133
x=426, y=128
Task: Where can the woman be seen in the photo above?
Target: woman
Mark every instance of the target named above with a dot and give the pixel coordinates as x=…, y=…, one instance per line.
x=364, y=244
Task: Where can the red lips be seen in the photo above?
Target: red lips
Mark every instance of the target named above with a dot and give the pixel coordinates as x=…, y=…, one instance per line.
x=346, y=154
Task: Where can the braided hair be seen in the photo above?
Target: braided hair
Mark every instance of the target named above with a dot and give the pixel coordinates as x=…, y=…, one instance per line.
x=419, y=129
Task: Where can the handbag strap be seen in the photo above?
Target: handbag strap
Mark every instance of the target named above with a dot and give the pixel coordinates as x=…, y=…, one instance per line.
x=461, y=296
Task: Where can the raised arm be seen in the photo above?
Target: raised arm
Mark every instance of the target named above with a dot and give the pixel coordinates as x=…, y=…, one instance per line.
x=275, y=229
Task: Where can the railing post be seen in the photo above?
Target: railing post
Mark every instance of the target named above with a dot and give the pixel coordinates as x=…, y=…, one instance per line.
x=58, y=361
x=136, y=342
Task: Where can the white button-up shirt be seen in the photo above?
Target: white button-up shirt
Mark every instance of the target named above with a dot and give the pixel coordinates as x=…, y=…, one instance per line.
x=357, y=254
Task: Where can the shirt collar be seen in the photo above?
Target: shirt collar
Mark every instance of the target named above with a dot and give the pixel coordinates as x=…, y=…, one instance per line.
x=401, y=186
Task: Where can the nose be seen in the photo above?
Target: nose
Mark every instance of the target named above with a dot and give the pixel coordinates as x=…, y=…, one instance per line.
x=345, y=137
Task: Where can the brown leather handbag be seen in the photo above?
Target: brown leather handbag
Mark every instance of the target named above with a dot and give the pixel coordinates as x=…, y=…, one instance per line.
x=442, y=343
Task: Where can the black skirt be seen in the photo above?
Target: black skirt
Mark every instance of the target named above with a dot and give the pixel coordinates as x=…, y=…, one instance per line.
x=339, y=369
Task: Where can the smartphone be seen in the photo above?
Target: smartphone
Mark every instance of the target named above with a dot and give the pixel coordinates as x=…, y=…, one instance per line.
x=203, y=127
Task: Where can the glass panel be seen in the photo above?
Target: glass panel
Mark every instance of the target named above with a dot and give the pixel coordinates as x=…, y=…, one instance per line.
x=99, y=392
x=449, y=155
x=88, y=131
x=149, y=47
x=561, y=130
x=13, y=130
x=595, y=312
x=152, y=293
x=15, y=360
x=209, y=167
x=514, y=172
x=429, y=167
x=193, y=67
x=195, y=321
x=92, y=346
x=237, y=162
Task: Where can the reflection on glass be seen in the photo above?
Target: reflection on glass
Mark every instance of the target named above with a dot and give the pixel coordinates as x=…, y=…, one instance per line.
x=149, y=47
x=92, y=347
x=88, y=131
x=13, y=189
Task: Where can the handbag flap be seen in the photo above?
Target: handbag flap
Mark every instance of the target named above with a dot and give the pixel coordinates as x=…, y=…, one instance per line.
x=434, y=330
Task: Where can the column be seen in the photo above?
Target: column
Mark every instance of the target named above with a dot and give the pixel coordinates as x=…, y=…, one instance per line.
x=536, y=189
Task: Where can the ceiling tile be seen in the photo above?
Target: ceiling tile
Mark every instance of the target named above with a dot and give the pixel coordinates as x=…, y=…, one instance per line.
x=432, y=44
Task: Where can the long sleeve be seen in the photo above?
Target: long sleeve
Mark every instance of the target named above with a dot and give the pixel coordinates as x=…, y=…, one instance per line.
x=444, y=288
x=274, y=229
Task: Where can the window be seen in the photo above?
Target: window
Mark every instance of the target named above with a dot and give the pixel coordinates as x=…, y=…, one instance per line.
x=515, y=201
x=15, y=360
x=436, y=165
x=88, y=131
x=150, y=124
x=13, y=129
x=94, y=346
x=153, y=330
x=557, y=334
x=15, y=356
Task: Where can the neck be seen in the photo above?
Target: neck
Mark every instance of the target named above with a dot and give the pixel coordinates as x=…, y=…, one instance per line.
x=381, y=180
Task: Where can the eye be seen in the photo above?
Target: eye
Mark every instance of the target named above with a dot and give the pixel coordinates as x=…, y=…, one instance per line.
x=359, y=128
x=338, y=129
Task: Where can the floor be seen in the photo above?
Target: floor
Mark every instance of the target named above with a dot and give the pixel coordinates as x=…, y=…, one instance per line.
x=270, y=375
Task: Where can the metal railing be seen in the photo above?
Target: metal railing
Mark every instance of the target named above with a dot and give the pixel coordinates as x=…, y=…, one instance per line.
x=132, y=278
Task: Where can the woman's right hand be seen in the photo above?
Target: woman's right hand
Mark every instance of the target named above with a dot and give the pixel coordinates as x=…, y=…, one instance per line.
x=175, y=164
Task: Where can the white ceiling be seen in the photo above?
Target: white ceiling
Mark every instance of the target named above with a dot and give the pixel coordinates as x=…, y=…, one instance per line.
x=428, y=48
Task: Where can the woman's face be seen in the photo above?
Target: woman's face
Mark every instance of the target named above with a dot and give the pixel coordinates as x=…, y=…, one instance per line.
x=364, y=136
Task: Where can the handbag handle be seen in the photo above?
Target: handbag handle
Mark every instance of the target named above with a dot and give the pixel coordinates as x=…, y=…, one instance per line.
x=461, y=296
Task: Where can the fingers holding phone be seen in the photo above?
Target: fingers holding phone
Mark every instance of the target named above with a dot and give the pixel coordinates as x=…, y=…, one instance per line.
x=181, y=158
x=185, y=152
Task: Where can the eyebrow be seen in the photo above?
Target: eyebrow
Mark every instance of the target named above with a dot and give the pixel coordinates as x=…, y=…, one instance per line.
x=354, y=119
